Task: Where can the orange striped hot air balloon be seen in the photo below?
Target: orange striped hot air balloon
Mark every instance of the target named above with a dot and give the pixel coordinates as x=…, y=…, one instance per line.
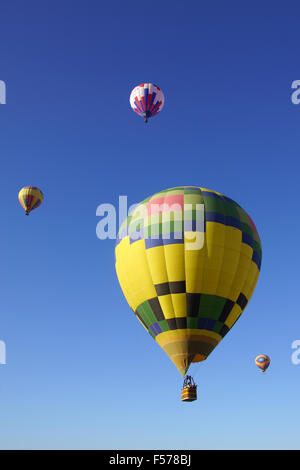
x=30, y=198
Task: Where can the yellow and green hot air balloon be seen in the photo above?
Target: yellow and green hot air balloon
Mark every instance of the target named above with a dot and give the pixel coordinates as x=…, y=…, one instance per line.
x=188, y=260
x=30, y=198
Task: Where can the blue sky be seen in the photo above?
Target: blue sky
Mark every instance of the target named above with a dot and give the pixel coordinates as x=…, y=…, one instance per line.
x=74, y=348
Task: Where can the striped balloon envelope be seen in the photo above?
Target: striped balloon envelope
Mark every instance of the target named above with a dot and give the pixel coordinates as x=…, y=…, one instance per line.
x=30, y=197
x=188, y=260
x=147, y=100
x=262, y=361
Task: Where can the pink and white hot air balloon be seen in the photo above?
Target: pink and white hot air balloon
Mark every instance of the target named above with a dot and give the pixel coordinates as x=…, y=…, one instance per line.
x=147, y=100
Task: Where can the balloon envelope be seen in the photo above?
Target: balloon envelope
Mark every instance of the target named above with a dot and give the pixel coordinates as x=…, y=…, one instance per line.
x=262, y=361
x=30, y=198
x=188, y=260
x=147, y=100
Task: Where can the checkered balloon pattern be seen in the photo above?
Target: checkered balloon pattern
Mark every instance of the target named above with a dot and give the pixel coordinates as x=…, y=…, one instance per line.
x=188, y=295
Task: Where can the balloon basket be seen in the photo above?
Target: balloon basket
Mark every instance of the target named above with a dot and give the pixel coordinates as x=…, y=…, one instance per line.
x=189, y=393
x=189, y=390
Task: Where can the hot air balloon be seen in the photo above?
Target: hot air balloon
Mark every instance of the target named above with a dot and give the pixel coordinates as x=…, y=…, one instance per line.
x=188, y=260
x=147, y=100
x=30, y=198
x=262, y=361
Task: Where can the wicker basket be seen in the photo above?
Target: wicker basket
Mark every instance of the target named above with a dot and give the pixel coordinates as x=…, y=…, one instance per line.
x=189, y=393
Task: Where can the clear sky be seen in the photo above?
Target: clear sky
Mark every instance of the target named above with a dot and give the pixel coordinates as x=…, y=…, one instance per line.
x=81, y=371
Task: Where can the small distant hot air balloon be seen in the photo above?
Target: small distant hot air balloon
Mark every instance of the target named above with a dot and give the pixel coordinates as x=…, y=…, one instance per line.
x=30, y=198
x=147, y=100
x=262, y=361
